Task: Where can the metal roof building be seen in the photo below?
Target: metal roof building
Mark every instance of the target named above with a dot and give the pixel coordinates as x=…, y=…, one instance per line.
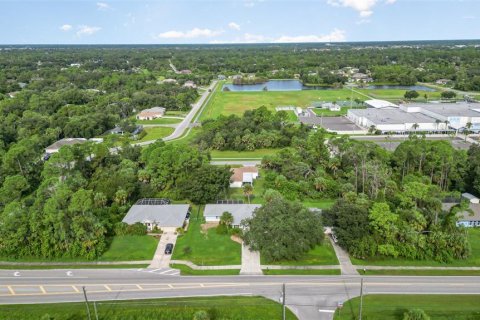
x=213, y=212
x=170, y=216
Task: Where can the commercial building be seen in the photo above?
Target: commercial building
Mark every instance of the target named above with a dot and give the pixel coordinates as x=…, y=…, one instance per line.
x=424, y=117
x=379, y=104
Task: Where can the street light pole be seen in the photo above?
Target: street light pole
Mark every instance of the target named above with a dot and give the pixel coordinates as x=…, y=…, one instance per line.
x=283, y=302
x=361, y=299
x=86, y=303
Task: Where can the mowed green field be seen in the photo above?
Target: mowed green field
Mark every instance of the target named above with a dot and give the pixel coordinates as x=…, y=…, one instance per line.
x=392, y=307
x=472, y=261
x=397, y=94
x=234, y=307
x=155, y=133
x=238, y=102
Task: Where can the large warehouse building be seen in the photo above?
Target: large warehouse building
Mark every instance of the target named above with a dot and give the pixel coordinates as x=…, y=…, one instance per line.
x=422, y=117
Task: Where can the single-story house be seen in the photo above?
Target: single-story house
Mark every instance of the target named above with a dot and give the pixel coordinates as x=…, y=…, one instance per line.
x=213, y=212
x=152, y=113
x=186, y=71
x=331, y=106
x=55, y=147
x=243, y=175
x=221, y=77
x=190, y=84
x=169, y=81
x=167, y=217
x=442, y=81
x=118, y=130
x=466, y=219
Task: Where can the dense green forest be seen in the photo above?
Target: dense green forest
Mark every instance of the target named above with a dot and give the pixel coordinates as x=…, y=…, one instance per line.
x=71, y=205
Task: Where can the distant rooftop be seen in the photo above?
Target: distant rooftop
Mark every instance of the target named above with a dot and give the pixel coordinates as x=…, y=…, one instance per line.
x=392, y=116
x=238, y=211
x=462, y=109
x=164, y=215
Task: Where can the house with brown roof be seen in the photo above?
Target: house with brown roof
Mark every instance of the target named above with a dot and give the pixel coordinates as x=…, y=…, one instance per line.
x=152, y=113
x=243, y=175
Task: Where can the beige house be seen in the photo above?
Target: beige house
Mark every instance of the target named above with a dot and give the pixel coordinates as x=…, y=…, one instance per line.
x=243, y=175
x=152, y=113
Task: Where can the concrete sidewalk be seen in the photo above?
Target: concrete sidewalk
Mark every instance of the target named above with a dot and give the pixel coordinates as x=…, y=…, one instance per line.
x=160, y=259
x=250, y=262
x=346, y=265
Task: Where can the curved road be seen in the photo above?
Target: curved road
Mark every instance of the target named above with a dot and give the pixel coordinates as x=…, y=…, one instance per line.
x=309, y=297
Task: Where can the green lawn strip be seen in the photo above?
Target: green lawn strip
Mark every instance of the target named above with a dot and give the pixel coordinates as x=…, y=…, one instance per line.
x=472, y=261
x=176, y=113
x=320, y=255
x=121, y=248
x=420, y=272
x=221, y=307
x=238, y=102
x=255, y=154
x=155, y=133
x=187, y=271
x=328, y=113
x=392, y=307
x=160, y=121
x=397, y=94
x=125, y=248
x=206, y=249
x=327, y=272
x=74, y=266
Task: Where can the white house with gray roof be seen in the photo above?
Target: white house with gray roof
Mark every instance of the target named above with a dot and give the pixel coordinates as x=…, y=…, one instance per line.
x=213, y=212
x=167, y=217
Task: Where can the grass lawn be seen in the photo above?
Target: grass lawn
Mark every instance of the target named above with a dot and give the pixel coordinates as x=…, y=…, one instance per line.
x=155, y=133
x=328, y=272
x=231, y=307
x=397, y=94
x=176, y=113
x=392, y=307
x=122, y=248
x=207, y=249
x=472, y=261
x=420, y=272
x=160, y=121
x=237, y=102
x=256, y=154
x=74, y=266
x=320, y=255
x=187, y=271
x=125, y=248
x=328, y=113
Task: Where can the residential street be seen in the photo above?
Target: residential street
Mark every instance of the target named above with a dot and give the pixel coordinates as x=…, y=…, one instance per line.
x=305, y=295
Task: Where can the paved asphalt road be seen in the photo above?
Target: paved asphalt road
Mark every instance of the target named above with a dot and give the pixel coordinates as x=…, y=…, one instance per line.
x=310, y=297
x=182, y=126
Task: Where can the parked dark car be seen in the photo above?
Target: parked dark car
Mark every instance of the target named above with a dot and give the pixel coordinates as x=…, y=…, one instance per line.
x=188, y=215
x=169, y=248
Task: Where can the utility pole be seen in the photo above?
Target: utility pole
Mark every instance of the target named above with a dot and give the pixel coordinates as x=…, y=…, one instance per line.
x=283, y=302
x=361, y=299
x=86, y=303
x=95, y=309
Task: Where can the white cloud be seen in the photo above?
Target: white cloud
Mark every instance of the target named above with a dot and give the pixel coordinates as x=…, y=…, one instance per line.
x=194, y=33
x=334, y=36
x=87, y=30
x=66, y=27
x=234, y=26
x=249, y=4
x=363, y=7
x=103, y=6
x=254, y=38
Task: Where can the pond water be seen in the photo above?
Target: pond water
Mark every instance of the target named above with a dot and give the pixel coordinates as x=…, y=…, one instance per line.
x=296, y=85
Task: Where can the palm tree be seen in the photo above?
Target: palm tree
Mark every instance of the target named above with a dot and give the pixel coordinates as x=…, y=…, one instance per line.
x=372, y=129
x=446, y=125
x=437, y=122
x=320, y=183
x=226, y=219
x=248, y=191
x=467, y=131
x=415, y=126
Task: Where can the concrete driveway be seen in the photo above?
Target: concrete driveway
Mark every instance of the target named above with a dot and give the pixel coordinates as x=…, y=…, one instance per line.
x=250, y=262
x=160, y=259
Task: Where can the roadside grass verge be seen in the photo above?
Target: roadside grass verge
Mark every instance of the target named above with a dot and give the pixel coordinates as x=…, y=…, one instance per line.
x=221, y=307
x=392, y=307
x=419, y=272
x=320, y=255
x=187, y=271
x=472, y=261
x=208, y=248
x=155, y=133
x=327, y=272
x=73, y=266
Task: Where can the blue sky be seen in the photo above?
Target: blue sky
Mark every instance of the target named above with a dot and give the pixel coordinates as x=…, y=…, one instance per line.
x=239, y=21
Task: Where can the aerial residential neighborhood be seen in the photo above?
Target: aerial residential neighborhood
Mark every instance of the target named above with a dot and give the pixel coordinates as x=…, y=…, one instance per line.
x=253, y=160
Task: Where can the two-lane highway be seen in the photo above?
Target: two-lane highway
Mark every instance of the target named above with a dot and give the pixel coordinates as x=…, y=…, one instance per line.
x=310, y=297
